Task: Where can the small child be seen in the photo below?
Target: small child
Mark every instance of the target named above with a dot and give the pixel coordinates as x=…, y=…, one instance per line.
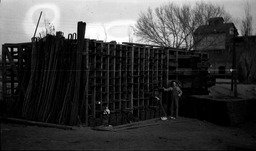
x=106, y=114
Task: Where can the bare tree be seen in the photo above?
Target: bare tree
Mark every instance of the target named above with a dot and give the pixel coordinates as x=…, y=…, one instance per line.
x=246, y=27
x=247, y=62
x=105, y=32
x=131, y=33
x=172, y=25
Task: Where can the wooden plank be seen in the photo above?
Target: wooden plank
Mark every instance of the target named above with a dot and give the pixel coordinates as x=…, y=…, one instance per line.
x=147, y=52
x=124, y=72
x=167, y=67
x=132, y=65
x=156, y=70
x=86, y=88
x=151, y=69
x=20, y=61
x=162, y=69
x=177, y=61
x=4, y=79
x=94, y=81
x=17, y=44
x=142, y=76
x=120, y=72
x=113, y=48
x=134, y=78
x=135, y=126
x=27, y=122
x=101, y=74
x=22, y=73
x=12, y=77
x=108, y=72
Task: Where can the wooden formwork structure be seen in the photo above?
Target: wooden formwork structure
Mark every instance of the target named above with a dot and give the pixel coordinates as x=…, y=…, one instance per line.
x=123, y=77
x=15, y=71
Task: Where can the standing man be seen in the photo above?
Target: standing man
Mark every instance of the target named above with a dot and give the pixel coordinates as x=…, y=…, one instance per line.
x=175, y=94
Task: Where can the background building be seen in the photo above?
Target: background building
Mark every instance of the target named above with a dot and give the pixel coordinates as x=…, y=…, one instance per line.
x=216, y=38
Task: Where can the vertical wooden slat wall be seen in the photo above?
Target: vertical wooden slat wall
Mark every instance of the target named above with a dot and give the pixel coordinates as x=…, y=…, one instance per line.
x=124, y=77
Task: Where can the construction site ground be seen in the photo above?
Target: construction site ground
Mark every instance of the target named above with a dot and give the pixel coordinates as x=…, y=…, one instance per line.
x=155, y=134
x=182, y=133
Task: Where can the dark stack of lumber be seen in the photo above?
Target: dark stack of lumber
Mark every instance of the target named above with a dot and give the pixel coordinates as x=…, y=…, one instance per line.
x=53, y=91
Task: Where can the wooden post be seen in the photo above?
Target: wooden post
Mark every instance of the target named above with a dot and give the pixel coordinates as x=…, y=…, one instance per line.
x=86, y=89
x=167, y=67
x=100, y=70
x=4, y=71
x=21, y=71
x=80, y=47
x=20, y=63
x=147, y=69
x=12, y=72
x=177, y=64
x=112, y=55
x=94, y=79
x=119, y=73
x=107, y=70
x=235, y=68
x=142, y=76
x=132, y=64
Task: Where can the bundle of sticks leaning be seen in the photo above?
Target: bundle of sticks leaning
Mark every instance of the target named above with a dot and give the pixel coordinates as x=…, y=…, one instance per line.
x=52, y=94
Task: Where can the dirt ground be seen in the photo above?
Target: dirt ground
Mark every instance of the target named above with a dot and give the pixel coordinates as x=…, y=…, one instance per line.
x=182, y=133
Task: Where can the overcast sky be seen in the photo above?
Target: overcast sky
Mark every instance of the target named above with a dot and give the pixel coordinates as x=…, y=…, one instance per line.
x=18, y=18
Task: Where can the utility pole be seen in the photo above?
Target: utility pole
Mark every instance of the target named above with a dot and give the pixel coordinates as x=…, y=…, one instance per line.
x=234, y=70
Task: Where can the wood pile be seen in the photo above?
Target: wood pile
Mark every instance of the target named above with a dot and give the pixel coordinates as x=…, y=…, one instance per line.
x=53, y=91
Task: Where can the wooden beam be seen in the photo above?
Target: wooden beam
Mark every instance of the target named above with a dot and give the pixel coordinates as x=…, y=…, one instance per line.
x=132, y=68
x=107, y=81
x=4, y=79
x=86, y=89
x=27, y=122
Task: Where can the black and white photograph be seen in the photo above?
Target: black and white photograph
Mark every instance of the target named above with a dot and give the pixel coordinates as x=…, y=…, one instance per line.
x=128, y=74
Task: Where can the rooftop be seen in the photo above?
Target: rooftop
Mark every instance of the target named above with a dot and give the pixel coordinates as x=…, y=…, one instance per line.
x=215, y=25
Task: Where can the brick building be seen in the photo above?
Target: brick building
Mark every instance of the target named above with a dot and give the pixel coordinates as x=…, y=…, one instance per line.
x=216, y=38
